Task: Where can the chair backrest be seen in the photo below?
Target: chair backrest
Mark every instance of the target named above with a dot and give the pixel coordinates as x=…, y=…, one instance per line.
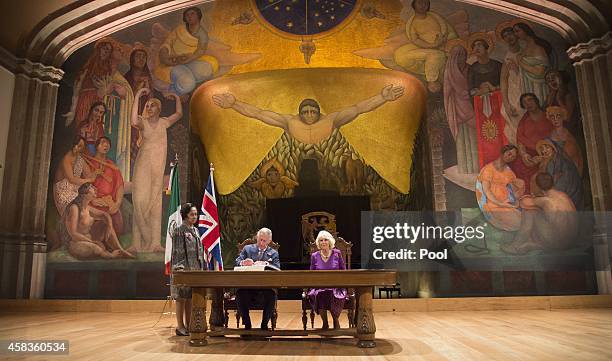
x=253, y=240
x=342, y=245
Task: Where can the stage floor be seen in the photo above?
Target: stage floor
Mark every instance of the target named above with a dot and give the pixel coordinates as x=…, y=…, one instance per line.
x=576, y=334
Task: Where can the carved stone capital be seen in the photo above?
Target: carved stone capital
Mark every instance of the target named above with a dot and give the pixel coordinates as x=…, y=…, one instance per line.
x=590, y=49
x=30, y=69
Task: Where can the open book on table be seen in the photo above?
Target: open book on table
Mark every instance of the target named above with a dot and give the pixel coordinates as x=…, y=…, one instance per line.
x=257, y=267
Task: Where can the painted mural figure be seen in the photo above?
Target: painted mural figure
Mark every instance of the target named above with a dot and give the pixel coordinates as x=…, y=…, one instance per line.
x=459, y=110
x=109, y=184
x=498, y=190
x=511, y=81
x=309, y=125
x=93, y=128
x=483, y=81
x=560, y=94
x=87, y=88
x=139, y=76
x=534, y=60
x=566, y=179
x=533, y=127
x=549, y=221
x=354, y=172
x=70, y=175
x=273, y=183
x=88, y=232
x=149, y=172
x=563, y=138
x=428, y=33
x=100, y=81
x=117, y=127
x=484, y=74
x=183, y=62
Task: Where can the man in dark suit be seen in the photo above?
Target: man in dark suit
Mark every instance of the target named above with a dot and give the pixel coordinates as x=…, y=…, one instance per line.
x=257, y=254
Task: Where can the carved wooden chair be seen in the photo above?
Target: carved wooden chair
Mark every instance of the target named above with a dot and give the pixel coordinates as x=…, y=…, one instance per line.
x=346, y=249
x=229, y=298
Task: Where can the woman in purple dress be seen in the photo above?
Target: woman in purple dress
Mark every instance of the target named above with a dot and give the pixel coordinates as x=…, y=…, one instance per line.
x=323, y=299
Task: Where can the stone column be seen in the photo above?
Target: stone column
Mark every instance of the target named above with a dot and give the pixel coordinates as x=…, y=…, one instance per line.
x=26, y=178
x=593, y=64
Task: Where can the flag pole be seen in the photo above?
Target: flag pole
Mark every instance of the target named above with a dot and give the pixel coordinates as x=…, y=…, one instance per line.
x=173, y=163
x=168, y=247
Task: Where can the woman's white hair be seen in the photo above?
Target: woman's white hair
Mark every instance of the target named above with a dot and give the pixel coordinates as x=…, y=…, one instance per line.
x=325, y=235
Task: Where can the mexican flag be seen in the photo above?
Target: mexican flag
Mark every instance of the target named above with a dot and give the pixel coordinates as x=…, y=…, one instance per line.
x=174, y=213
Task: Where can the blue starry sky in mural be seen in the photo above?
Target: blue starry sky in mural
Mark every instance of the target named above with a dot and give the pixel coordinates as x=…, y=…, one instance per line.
x=305, y=17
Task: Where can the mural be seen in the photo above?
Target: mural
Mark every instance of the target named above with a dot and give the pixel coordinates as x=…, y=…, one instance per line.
x=295, y=101
x=495, y=102
x=128, y=91
x=303, y=149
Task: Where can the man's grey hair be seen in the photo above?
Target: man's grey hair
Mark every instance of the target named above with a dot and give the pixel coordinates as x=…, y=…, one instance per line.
x=265, y=231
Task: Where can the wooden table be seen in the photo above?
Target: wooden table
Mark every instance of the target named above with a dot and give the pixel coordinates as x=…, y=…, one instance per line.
x=362, y=281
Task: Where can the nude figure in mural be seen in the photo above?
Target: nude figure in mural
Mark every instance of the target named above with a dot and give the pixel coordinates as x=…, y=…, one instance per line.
x=309, y=125
x=88, y=232
x=149, y=171
x=549, y=221
x=511, y=81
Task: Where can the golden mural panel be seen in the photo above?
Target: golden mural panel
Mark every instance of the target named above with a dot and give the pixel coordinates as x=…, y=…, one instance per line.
x=277, y=52
x=236, y=144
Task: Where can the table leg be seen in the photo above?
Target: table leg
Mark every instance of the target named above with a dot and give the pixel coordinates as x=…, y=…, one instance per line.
x=366, y=328
x=216, y=313
x=198, y=327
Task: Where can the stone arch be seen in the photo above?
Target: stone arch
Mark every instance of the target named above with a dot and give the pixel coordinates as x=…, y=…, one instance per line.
x=62, y=32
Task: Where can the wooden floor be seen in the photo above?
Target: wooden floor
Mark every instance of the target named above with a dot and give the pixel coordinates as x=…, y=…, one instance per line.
x=565, y=334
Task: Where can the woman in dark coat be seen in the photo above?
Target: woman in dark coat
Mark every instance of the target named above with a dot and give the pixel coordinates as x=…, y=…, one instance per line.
x=187, y=254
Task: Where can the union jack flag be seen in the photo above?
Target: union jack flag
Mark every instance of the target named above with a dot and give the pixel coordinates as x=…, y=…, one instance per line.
x=208, y=225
